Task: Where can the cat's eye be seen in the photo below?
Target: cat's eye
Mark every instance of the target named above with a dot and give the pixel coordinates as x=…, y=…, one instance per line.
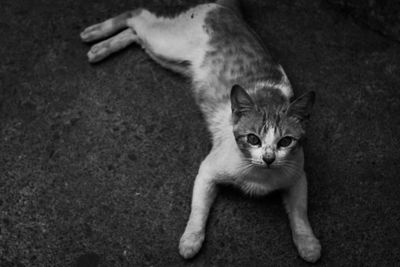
x=253, y=140
x=285, y=141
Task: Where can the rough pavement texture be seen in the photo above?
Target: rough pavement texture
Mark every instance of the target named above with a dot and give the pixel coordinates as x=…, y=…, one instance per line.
x=97, y=162
x=381, y=15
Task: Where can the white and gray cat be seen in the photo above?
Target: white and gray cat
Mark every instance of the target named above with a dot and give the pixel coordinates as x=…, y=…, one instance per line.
x=257, y=132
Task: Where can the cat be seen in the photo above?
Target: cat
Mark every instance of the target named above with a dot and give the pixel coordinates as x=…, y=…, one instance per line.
x=257, y=132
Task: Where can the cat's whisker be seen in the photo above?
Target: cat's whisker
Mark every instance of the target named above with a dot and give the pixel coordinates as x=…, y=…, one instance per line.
x=247, y=166
x=290, y=168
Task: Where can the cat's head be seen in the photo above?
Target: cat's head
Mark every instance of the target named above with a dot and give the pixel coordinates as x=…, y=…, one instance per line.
x=269, y=130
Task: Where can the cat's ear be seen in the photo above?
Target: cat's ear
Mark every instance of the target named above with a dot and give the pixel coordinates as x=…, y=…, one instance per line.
x=301, y=107
x=240, y=100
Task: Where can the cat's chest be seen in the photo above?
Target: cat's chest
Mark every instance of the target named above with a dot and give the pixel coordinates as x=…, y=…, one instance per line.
x=255, y=188
x=260, y=182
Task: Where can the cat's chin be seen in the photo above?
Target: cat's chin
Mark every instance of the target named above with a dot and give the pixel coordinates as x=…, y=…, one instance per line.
x=264, y=166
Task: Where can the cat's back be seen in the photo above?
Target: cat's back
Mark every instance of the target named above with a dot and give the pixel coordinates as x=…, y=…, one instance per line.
x=235, y=55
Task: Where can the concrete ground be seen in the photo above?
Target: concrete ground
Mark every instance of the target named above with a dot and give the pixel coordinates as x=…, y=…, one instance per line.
x=97, y=162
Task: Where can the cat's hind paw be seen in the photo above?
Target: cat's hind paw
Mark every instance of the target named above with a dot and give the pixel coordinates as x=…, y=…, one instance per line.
x=91, y=33
x=103, y=49
x=190, y=244
x=308, y=247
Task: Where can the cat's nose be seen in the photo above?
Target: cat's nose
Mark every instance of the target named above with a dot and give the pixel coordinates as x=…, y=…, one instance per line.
x=269, y=159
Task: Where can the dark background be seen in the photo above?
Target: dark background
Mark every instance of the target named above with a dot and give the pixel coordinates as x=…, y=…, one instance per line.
x=97, y=162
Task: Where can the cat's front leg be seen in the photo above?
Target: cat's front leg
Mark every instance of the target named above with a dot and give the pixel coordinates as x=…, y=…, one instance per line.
x=295, y=198
x=204, y=193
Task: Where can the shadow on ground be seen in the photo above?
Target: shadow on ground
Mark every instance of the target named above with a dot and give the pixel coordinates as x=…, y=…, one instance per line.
x=97, y=162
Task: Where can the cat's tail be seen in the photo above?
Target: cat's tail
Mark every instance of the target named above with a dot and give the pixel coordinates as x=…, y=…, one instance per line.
x=231, y=4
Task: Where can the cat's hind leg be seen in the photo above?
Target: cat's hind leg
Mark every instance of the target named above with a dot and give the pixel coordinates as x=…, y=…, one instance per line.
x=108, y=27
x=118, y=42
x=170, y=41
x=181, y=38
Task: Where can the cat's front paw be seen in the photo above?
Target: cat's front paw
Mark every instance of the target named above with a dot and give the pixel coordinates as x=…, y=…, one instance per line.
x=190, y=244
x=308, y=247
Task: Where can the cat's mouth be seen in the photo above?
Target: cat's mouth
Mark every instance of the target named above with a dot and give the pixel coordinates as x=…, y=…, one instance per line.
x=262, y=164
